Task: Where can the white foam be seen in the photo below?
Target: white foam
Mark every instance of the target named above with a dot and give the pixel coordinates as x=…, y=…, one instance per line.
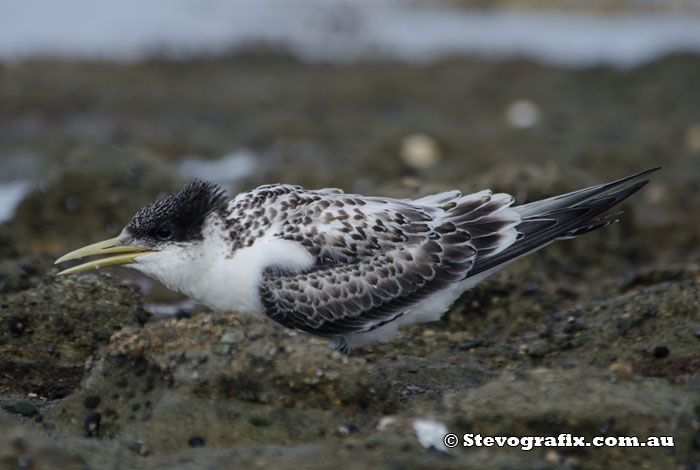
x=337, y=31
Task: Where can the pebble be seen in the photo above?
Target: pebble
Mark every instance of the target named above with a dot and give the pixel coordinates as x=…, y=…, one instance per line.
x=260, y=421
x=232, y=337
x=23, y=408
x=386, y=422
x=622, y=368
x=16, y=325
x=472, y=343
x=573, y=326
x=522, y=114
x=140, y=447
x=92, y=424
x=419, y=151
x=660, y=352
x=345, y=429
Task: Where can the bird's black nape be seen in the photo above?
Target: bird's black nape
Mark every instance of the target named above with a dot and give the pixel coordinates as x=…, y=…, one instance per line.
x=180, y=216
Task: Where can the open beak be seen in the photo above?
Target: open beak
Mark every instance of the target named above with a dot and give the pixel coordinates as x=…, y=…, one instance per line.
x=129, y=254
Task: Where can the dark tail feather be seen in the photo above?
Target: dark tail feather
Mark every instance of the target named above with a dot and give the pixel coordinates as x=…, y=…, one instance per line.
x=565, y=216
x=563, y=201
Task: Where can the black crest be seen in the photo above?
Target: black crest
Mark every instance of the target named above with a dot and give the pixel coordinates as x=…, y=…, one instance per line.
x=180, y=216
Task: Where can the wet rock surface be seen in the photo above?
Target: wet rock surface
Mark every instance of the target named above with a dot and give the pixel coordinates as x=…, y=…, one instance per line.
x=166, y=384
x=49, y=331
x=599, y=336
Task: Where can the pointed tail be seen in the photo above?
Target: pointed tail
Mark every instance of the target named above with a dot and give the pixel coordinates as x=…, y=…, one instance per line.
x=564, y=216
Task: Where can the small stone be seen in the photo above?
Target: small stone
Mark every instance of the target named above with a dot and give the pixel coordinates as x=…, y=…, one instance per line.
x=471, y=344
x=345, y=429
x=552, y=457
x=386, y=422
x=522, y=114
x=559, y=315
x=232, y=337
x=419, y=151
x=140, y=447
x=92, y=425
x=573, y=326
x=660, y=352
x=538, y=349
x=16, y=325
x=196, y=441
x=260, y=421
x=621, y=368
x=23, y=408
x=92, y=402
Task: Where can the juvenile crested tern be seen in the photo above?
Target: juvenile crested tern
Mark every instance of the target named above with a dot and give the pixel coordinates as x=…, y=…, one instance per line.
x=342, y=266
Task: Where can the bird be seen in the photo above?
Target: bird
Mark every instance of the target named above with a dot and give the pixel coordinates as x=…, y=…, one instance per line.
x=349, y=268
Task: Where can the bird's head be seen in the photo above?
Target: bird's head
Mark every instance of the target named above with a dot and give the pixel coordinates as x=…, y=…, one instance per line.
x=161, y=236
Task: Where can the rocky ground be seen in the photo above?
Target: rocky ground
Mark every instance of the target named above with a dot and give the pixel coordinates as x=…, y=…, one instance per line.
x=599, y=336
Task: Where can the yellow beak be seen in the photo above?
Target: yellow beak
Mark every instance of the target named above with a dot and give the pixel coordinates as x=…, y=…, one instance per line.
x=102, y=248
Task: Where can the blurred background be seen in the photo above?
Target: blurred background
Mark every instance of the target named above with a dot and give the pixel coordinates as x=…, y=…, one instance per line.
x=105, y=106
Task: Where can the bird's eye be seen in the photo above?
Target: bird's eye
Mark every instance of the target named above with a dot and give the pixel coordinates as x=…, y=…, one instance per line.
x=163, y=233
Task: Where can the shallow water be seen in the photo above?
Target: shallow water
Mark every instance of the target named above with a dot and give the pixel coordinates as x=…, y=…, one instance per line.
x=342, y=31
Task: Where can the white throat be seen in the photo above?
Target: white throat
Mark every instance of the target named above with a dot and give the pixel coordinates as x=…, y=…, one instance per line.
x=210, y=272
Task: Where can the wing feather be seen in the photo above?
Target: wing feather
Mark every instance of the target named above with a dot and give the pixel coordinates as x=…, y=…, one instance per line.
x=377, y=258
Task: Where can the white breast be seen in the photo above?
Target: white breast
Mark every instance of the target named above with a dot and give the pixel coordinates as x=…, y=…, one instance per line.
x=219, y=278
x=231, y=283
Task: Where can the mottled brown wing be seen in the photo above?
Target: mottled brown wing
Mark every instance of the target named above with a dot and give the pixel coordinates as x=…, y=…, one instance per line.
x=412, y=256
x=364, y=295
